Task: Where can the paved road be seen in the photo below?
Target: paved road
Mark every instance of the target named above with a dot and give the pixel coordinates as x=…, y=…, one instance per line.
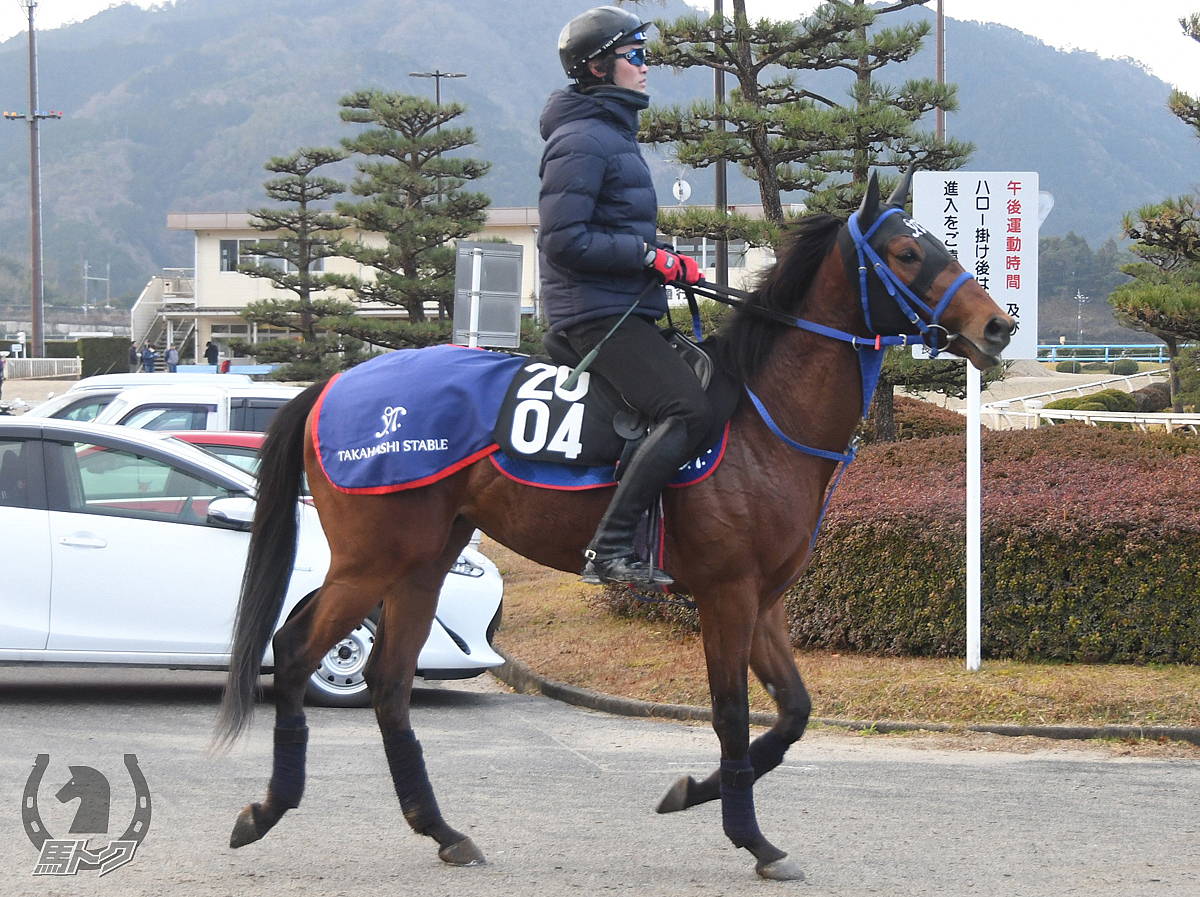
x=560, y=800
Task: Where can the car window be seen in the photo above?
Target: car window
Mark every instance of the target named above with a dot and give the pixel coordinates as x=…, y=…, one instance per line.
x=253, y=415
x=169, y=417
x=113, y=482
x=17, y=472
x=84, y=409
x=241, y=456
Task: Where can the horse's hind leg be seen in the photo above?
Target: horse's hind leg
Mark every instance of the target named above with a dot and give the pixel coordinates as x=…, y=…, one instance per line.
x=342, y=603
x=772, y=660
x=403, y=628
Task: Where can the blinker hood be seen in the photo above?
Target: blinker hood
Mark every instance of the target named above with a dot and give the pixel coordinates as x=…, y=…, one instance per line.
x=884, y=313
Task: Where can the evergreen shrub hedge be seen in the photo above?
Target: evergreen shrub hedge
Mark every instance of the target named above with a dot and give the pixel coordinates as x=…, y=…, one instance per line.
x=1104, y=400
x=1069, y=367
x=1091, y=551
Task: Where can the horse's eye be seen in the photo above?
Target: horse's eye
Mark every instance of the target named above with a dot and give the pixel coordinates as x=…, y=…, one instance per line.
x=909, y=256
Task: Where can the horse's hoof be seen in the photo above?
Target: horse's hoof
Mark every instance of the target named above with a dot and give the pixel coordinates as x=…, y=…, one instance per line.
x=462, y=853
x=782, y=869
x=676, y=797
x=245, y=830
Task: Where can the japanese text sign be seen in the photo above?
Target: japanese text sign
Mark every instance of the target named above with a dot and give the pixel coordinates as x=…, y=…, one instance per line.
x=988, y=220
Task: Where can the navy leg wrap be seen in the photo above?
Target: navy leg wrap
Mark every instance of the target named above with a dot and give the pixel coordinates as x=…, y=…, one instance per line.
x=407, y=765
x=766, y=752
x=287, y=775
x=737, y=802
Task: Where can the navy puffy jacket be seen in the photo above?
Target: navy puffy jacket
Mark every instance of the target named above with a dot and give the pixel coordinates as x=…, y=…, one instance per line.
x=598, y=211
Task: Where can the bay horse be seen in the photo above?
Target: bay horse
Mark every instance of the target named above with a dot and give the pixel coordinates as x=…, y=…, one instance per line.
x=806, y=347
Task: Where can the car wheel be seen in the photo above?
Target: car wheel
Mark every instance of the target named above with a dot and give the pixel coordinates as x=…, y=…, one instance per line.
x=339, y=681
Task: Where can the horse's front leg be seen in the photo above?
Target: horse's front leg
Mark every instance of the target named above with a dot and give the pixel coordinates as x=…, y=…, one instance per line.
x=773, y=662
x=727, y=639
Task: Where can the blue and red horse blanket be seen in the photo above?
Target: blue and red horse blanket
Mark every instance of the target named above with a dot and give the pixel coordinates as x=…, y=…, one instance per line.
x=410, y=418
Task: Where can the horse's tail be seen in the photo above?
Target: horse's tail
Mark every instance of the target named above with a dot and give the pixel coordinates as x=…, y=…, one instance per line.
x=268, y=563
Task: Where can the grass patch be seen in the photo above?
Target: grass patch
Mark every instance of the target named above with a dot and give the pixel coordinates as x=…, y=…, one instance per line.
x=557, y=626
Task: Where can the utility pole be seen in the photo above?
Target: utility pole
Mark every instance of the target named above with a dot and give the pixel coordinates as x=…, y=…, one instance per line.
x=33, y=116
x=722, y=199
x=940, y=39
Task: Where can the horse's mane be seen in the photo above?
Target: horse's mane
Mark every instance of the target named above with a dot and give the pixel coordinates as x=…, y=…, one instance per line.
x=744, y=342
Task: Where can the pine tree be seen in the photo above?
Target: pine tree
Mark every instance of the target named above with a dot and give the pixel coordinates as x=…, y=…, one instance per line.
x=1187, y=107
x=412, y=197
x=1164, y=297
x=784, y=136
x=303, y=234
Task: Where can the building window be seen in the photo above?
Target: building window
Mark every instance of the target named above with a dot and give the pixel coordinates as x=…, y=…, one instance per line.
x=704, y=251
x=235, y=252
x=229, y=255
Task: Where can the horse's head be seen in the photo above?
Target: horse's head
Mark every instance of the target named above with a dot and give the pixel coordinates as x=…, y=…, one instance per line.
x=910, y=284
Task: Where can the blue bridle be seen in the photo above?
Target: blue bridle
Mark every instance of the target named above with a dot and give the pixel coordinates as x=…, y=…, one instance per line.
x=905, y=299
x=869, y=349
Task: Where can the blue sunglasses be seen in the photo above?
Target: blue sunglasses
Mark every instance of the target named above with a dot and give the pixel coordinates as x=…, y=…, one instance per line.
x=635, y=57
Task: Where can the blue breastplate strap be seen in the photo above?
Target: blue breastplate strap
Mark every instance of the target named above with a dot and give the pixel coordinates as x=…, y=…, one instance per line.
x=842, y=458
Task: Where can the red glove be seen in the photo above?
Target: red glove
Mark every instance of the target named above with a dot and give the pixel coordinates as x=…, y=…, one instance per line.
x=667, y=264
x=689, y=271
x=672, y=266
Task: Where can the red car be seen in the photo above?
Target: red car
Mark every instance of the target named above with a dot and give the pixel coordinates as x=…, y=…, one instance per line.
x=238, y=447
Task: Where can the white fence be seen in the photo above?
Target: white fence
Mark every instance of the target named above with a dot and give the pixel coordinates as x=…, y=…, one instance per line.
x=42, y=368
x=1024, y=420
x=1006, y=415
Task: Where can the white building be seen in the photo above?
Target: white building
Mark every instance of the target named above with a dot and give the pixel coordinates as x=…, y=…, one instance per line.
x=205, y=302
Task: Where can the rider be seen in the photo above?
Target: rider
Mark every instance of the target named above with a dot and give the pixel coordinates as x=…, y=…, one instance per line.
x=598, y=252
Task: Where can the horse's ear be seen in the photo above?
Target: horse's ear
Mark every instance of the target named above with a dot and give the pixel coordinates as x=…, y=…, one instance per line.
x=900, y=195
x=869, y=209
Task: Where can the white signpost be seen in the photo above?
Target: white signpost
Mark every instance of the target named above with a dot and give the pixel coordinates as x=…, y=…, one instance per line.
x=989, y=222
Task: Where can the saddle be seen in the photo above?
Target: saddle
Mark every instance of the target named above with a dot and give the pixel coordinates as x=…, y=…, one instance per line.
x=592, y=425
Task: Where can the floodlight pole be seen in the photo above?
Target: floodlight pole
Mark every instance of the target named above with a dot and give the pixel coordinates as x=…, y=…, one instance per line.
x=437, y=75
x=33, y=116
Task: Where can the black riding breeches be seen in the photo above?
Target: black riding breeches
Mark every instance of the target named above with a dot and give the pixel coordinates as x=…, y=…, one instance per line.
x=648, y=373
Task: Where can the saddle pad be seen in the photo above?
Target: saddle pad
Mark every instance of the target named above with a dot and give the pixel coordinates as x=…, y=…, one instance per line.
x=409, y=418
x=565, y=477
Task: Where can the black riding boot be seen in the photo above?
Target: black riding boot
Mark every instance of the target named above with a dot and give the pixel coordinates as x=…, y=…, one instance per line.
x=610, y=555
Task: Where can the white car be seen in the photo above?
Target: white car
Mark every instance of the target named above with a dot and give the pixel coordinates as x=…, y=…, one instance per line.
x=125, y=547
x=88, y=397
x=192, y=407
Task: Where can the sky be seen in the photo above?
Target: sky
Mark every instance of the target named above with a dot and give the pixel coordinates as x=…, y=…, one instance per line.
x=1145, y=30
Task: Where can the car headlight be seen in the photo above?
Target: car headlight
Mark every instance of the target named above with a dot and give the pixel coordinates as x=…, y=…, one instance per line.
x=463, y=567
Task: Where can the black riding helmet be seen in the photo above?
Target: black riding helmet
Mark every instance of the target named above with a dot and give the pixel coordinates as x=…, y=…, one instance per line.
x=593, y=33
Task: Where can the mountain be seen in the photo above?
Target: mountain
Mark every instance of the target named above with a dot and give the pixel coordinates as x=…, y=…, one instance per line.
x=176, y=108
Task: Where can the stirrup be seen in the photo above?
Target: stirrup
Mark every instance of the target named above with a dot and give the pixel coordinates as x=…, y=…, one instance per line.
x=628, y=570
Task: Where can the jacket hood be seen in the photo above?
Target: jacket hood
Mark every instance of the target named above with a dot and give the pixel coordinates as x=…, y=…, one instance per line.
x=569, y=104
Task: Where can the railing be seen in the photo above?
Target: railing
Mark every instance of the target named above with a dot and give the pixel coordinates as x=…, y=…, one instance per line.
x=1144, y=422
x=42, y=368
x=1156, y=352
x=1001, y=415
x=179, y=286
